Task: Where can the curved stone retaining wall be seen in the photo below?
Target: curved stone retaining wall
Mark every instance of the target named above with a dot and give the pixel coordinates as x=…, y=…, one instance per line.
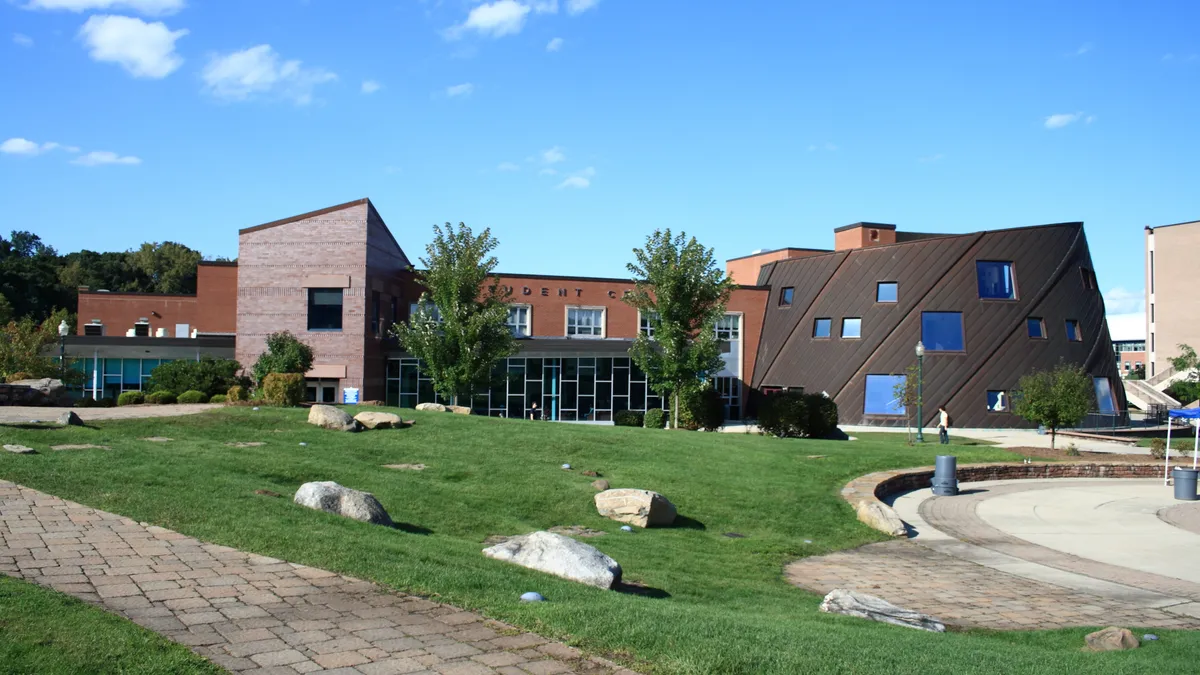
x=866, y=493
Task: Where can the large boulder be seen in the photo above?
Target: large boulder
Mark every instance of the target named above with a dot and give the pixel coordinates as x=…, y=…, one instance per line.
x=1111, y=639
x=431, y=407
x=851, y=603
x=642, y=508
x=558, y=555
x=41, y=392
x=459, y=409
x=379, y=420
x=20, y=449
x=70, y=419
x=333, y=498
x=881, y=517
x=329, y=417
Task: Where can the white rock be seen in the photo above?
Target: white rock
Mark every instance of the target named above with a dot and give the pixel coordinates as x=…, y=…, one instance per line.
x=329, y=417
x=881, y=517
x=636, y=507
x=558, y=555
x=851, y=603
x=20, y=449
x=379, y=420
x=532, y=597
x=333, y=498
x=431, y=407
x=459, y=409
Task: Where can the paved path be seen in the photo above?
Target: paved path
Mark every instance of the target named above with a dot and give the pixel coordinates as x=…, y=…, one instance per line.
x=22, y=414
x=253, y=614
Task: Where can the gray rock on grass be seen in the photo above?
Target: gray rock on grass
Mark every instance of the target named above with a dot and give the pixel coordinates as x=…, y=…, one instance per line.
x=20, y=449
x=329, y=417
x=1111, y=639
x=863, y=606
x=881, y=517
x=636, y=507
x=379, y=420
x=332, y=498
x=431, y=407
x=70, y=419
x=561, y=556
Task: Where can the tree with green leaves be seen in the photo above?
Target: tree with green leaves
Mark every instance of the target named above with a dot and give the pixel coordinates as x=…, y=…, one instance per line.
x=1187, y=363
x=285, y=354
x=907, y=394
x=1054, y=398
x=26, y=348
x=460, y=329
x=681, y=291
x=166, y=268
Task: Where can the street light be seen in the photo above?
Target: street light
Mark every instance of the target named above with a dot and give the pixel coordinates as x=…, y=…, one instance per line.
x=920, y=390
x=62, y=350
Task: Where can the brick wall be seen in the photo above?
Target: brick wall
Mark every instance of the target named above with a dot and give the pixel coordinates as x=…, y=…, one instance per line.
x=213, y=309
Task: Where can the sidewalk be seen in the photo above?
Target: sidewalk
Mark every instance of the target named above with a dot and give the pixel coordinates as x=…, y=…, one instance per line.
x=257, y=615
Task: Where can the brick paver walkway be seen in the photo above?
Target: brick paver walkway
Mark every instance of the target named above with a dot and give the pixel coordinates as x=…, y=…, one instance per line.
x=253, y=614
x=963, y=593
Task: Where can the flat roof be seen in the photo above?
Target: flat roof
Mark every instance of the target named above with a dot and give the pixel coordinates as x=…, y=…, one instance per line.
x=877, y=226
x=777, y=250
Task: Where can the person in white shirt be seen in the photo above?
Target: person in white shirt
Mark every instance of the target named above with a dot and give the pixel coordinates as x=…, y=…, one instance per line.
x=943, y=425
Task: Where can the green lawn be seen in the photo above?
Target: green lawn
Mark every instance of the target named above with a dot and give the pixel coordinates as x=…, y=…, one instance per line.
x=720, y=606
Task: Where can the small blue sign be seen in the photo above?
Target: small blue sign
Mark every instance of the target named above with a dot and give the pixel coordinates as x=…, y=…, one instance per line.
x=350, y=396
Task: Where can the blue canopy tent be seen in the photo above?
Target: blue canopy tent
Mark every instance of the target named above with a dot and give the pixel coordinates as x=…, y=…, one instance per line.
x=1183, y=413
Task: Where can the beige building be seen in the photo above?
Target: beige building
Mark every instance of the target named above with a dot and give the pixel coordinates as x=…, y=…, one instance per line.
x=1172, y=306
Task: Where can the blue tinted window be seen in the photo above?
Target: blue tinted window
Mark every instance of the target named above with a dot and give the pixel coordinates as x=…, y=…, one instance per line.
x=881, y=396
x=785, y=296
x=1104, y=395
x=1037, y=329
x=995, y=280
x=942, y=331
x=1073, y=333
x=998, y=401
x=851, y=328
x=885, y=291
x=821, y=327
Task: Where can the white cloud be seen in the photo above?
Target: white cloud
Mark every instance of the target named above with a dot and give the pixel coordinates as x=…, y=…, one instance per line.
x=508, y=166
x=493, y=19
x=1083, y=49
x=579, y=180
x=554, y=45
x=146, y=7
x=463, y=89
x=102, y=157
x=371, y=86
x=545, y=6
x=548, y=172
x=1127, y=326
x=259, y=70
x=143, y=49
x=1062, y=119
x=21, y=146
x=22, y=40
x=580, y=6
x=1119, y=300
x=553, y=155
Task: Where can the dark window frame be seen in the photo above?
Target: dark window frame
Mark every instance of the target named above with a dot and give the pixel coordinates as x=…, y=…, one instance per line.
x=141, y=329
x=1012, y=281
x=843, y=335
x=321, y=315
x=828, y=328
x=929, y=343
x=1078, y=330
x=786, y=295
x=1007, y=401
x=1041, y=327
x=867, y=387
x=896, y=288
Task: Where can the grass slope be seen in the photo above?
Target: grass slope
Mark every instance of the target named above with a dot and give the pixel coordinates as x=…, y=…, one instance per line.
x=718, y=605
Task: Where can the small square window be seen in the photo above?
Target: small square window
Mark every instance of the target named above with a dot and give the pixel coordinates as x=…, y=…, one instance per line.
x=942, y=331
x=1036, y=327
x=1073, y=333
x=141, y=330
x=821, y=327
x=785, y=296
x=997, y=401
x=1088, y=277
x=1104, y=395
x=995, y=280
x=324, y=309
x=885, y=291
x=851, y=328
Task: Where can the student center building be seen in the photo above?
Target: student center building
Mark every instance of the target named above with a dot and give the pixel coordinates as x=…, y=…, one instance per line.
x=988, y=307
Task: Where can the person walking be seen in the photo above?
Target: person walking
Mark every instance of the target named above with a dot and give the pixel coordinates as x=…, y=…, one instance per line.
x=943, y=425
x=534, y=412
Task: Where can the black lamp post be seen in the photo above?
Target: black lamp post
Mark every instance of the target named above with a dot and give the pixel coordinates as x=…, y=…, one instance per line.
x=62, y=350
x=920, y=391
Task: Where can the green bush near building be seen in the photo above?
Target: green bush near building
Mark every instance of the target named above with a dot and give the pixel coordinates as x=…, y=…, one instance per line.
x=283, y=389
x=704, y=409
x=131, y=398
x=160, y=397
x=193, y=396
x=236, y=393
x=207, y=375
x=656, y=418
x=628, y=418
x=218, y=398
x=794, y=414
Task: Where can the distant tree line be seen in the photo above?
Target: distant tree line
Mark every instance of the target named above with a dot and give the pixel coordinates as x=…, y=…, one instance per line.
x=35, y=280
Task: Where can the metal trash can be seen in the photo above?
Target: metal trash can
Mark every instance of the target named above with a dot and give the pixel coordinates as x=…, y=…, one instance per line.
x=945, y=478
x=1185, y=483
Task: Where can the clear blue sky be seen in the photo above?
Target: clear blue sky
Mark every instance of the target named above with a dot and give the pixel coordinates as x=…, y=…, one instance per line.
x=573, y=128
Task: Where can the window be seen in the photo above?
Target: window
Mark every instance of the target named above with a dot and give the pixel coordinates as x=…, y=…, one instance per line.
x=585, y=321
x=880, y=398
x=851, y=328
x=728, y=327
x=1036, y=327
x=1088, y=277
x=1151, y=271
x=324, y=309
x=375, y=312
x=995, y=280
x=1152, y=345
x=1073, y=333
x=1104, y=395
x=998, y=401
x=395, y=317
x=821, y=327
x=942, y=331
x=518, y=320
x=1126, y=365
x=885, y=291
x=93, y=328
x=424, y=308
x=141, y=329
x=645, y=326
x=785, y=296
x=1152, y=312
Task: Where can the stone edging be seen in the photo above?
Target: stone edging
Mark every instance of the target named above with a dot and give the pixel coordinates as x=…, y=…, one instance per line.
x=866, y=493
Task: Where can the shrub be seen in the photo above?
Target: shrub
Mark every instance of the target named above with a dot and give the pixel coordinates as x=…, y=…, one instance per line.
x=218, y=398
x=1072, y=450
x=160, y=397
x=208, y=375
x=1184, y=391
x=655, y=418
x=283, y=389
x=822, y=416
x=1158, y=448
x=236, y=393
x=131, y=398
x=285, y=354
x=704, y=409
x=193, y=396
x=784, y=414
x=628, y=418
x=18, y=376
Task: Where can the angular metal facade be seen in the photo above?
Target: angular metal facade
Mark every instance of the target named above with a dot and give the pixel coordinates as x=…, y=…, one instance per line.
x=1052, y=270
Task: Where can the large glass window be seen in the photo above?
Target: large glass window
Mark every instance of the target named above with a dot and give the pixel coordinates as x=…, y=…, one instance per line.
x=942, y=331
x=644, y=323
x=728, y=327
x=585, y=321
x=997, y=400
x=886, y=291
x=424, y=308
x=785, y=296
x=324, y=309
x=881, y=396
x=1073, y=333
x=995, y=280
x=821, y=327
x=1104, y=395
x=852, y=328
x=1036, y=327
x=518, y=320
